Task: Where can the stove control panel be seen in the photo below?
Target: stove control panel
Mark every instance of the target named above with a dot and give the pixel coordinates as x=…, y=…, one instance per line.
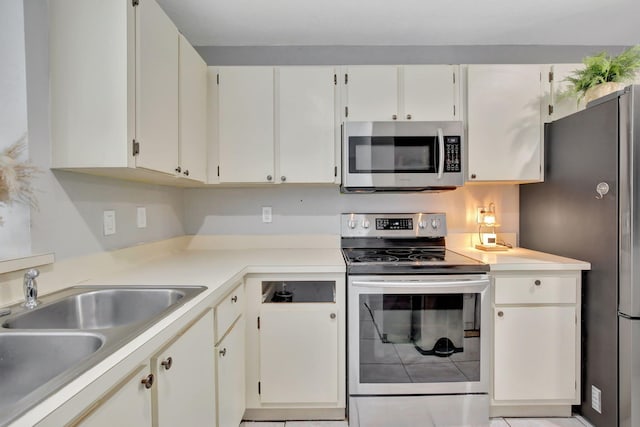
x=393, y=225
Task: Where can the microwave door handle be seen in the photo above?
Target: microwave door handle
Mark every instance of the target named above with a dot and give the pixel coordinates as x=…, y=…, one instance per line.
x=441, y=156
x=417, y=284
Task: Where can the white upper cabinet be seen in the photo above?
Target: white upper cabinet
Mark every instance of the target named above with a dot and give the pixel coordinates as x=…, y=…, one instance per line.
x=372, y=93
x=114, y=84
x=306, y=124
x=246, y=124
x=504, y=121
x=430, y=92
x=559, y=102
x=193, y=113
x=408, y=92
x=156, y=88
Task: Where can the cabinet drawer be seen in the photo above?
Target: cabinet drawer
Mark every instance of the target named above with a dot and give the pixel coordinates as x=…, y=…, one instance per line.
x=536, y=290
x=228, y=311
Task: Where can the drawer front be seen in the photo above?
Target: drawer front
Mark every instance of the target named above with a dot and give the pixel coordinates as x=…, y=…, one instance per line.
x=229, y=310
x=536, y=289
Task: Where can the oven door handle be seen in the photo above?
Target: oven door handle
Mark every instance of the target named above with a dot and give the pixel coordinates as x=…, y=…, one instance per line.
x=441, y=156
x=418, y=284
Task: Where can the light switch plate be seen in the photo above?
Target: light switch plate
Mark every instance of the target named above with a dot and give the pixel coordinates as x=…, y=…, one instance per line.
x=596, y=399
x=109, y=222
x=267, y=214
x=141, y=217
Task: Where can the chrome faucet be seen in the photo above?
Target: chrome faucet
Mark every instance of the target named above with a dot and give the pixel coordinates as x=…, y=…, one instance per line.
x=31, y=288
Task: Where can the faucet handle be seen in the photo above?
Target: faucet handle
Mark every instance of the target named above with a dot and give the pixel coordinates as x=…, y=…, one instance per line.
x=32, y=273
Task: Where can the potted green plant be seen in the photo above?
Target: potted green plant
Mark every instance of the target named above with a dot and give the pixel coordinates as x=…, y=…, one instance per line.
x=603, y=74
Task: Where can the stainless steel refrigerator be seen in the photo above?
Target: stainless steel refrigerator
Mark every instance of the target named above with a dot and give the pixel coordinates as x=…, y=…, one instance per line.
x=588, y=208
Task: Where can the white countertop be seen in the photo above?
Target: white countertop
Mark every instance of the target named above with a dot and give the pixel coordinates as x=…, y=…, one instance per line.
x=220, y=270
x=522, y=259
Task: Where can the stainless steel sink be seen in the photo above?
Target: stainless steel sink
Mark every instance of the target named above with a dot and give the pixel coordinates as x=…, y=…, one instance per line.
x=98, y=309
x=30, y=359
x=45, y=348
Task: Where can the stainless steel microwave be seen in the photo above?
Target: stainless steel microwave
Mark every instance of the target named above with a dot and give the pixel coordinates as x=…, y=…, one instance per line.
x=402, y=156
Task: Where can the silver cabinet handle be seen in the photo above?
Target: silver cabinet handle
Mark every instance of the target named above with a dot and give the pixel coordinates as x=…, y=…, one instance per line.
x=167, y=363
x=269, y=177
x=283, y=178
x=147, y=381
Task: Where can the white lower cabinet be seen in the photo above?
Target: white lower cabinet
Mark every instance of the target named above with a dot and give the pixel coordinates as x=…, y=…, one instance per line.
x=230, y=359
x=177, y=387
x=295, y=363
x=185, y=375
x=129, y=403
x=536, y=360
x=299, y=348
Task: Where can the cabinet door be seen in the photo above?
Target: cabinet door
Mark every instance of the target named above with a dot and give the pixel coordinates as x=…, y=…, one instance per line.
x=193, y=113
x=185, y=375
x=246, y=118
x=535, y=353
x=299, y=353
x=504, y=120
x=560, y=102
x=231, y=378
x=128, y=404
x=372, y=93
x=156, y=88
x=307, y=124
x=430, y=92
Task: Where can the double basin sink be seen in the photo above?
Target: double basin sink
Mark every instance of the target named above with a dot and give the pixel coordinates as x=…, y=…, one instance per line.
x=44, y=348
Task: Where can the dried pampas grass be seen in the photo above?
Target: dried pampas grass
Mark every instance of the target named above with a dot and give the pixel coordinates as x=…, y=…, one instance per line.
x=16, y=176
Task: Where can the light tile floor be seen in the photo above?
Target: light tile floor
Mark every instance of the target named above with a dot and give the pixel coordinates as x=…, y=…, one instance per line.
x=495, y=422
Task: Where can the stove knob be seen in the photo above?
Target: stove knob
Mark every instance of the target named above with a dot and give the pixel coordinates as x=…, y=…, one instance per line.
x=351, y=224
x=435, y=223
x=422, y=224
x=366, y=224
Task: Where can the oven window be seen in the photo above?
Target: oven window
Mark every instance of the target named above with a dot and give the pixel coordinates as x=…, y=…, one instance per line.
x=419, y=338
x=388, y=154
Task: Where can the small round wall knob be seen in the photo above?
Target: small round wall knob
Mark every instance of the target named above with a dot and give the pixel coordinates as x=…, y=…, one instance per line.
x=167, y=363
x=332, y=315
x=147, y=381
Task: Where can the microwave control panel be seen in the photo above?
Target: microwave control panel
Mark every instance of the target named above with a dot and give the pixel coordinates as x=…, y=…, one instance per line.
x=452, y=153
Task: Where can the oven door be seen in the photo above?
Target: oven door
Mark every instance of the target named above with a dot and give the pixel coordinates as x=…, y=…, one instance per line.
x=396, y=155
x=426, y=334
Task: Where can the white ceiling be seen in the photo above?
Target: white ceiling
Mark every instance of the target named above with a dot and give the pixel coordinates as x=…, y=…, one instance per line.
x=406, y=22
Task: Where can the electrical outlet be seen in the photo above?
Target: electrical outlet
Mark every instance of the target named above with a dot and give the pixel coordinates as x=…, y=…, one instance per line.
x=266, y=214
x=109, y=222
x=596, y=399
x=141, y=217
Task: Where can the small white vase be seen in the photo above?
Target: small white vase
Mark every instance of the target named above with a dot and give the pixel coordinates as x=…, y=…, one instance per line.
x=598, y=91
